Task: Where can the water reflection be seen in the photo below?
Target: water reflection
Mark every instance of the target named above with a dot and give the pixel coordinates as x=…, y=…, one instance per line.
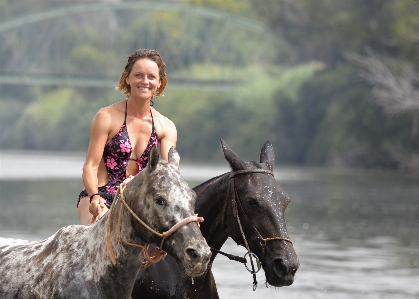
x=356, y=233
x=34, y=209
x=379, y=267
x=356, y=205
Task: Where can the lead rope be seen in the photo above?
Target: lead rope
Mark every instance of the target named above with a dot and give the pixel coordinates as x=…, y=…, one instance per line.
x=155, y=257
x=231, y=256
x=158, y=253
x=265, y=240
x=251, y=254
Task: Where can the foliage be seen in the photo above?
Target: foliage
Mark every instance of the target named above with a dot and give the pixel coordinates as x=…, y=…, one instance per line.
x=11, y=110
x=4, y=10
x=232, y=6
x=321, y=30
x=201, y=118
x=300, y=90
x=242, y=115
x=340, y=127
x=59, y=120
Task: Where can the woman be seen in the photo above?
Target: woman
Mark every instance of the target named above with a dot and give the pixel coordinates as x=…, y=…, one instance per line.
x=122, y=134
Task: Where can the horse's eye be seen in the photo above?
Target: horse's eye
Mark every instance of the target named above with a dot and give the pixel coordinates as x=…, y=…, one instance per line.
x=160, y=201
x=251, y=202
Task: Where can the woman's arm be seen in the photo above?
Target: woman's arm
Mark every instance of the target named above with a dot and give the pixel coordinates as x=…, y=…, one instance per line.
x=99, y=133
x=167, y=134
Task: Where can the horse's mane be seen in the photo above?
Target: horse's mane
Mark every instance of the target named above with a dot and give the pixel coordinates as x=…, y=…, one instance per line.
x=201, y=187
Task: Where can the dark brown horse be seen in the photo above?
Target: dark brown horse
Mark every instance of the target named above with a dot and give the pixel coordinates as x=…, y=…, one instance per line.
x=246, y=204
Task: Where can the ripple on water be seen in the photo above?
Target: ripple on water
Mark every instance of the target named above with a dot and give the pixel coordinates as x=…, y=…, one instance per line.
x=374, y=268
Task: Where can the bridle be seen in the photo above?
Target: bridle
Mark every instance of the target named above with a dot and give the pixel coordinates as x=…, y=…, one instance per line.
x=236, y=205
x=158, y=254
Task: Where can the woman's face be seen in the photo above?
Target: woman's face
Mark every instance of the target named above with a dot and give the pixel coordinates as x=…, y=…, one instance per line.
x=144, y=79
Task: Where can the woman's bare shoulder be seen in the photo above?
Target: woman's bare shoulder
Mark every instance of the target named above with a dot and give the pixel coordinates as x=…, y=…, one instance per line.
x=114, y=108
x=163, y=123
x=166, y=133
x=109, y=116
x=112, y=111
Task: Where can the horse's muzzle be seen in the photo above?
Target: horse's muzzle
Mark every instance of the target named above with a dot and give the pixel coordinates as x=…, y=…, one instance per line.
x=286, y=271
x=196, y=259
x=281, y=272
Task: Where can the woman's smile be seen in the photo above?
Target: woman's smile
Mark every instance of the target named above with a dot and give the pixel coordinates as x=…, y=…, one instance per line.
x=144, y=77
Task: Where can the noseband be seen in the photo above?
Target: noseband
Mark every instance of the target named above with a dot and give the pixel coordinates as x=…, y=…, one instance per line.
x=236, y=205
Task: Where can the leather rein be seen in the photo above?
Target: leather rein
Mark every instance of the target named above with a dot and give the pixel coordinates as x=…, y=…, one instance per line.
x=236, y=206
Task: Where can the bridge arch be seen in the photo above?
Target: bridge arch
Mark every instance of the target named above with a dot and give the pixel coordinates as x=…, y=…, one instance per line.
x=86, y=45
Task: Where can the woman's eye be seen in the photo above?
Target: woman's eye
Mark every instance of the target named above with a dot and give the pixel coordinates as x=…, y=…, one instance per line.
x=160, y=201
x=251, y=202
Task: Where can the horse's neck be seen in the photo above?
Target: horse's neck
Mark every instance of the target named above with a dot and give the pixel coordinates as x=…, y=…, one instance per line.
x=118, y=278
x=210, y=204
x=119, y=227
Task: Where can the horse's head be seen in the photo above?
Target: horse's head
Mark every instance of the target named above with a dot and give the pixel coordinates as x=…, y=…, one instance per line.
x=162, y=198
x=258, y=204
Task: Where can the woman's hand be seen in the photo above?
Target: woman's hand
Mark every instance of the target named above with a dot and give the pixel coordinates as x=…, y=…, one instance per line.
x=96, y=208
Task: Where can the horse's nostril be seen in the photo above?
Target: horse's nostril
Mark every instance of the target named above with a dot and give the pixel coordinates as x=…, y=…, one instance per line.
x=191, y=254
x=280, y=268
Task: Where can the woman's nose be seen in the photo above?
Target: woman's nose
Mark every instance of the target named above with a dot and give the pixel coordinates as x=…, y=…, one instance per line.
x=144, y=79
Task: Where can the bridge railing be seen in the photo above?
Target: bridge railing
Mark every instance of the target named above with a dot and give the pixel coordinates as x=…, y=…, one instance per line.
x=87, y=45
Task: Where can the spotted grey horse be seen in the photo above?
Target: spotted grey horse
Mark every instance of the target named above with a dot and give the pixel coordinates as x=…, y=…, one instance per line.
x=102, y=260
x=246, y=204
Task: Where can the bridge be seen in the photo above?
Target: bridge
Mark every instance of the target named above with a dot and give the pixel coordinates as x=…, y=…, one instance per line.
x=87, y=45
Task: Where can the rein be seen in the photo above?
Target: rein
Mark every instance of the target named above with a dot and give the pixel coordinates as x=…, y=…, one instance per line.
x=158, y=254
x=235, y=201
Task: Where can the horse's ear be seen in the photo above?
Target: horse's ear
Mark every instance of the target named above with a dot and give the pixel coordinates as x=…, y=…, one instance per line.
x=174, y=157
x=267, y=154
x=235, y=162
x=153, y=159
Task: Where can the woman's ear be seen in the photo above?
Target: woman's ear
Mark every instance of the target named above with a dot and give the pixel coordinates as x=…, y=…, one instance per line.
x=126, y=79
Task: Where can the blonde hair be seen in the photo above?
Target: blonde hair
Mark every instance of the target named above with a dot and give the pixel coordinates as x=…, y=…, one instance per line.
x=152, y=55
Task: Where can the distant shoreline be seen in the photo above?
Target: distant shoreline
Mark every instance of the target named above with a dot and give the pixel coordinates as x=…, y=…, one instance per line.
x=17, y=165
x=38, y=165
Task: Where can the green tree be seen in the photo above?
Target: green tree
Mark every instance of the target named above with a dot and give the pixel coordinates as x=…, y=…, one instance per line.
x=321, y=30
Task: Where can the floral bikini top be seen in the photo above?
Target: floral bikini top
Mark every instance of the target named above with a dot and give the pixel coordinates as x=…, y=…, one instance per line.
x=117, y=153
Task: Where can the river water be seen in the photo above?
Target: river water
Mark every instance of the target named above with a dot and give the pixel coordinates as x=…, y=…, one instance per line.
x=356, y=232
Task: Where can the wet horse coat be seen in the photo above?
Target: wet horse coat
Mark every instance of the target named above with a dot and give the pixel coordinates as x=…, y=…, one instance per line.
x=251, y=194
x=75, y=262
